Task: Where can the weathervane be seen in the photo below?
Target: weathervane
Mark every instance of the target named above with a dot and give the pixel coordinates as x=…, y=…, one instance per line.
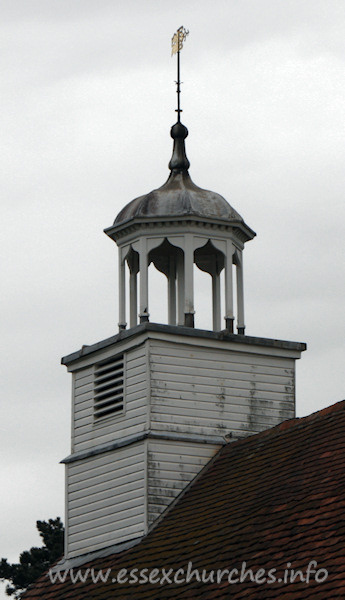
x=176, y=46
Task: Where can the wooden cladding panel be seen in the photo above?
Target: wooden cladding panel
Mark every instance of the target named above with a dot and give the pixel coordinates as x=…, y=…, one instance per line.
x=171, y=466
x=105, y=498
x=214, y=391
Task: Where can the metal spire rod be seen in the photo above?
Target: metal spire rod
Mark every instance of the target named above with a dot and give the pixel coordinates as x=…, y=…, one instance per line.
x=176, y=46
x=178, y=88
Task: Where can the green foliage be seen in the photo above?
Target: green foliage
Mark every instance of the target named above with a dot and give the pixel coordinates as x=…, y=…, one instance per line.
x=33, y=562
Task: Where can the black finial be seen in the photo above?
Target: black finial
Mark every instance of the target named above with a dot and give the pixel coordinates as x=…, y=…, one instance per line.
x=177, y=44
x=179, y=160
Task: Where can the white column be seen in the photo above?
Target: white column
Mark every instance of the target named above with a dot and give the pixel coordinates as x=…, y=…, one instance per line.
x=229, y=300
x=180, y=288
x=122, y=292
x=240, y=295
x=133, y=298
x=216, y=301
x=189, y=281
x=144, y=284
x=172, y=291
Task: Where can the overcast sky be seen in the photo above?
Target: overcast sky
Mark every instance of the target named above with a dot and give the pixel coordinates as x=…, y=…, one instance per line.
x=88, y=99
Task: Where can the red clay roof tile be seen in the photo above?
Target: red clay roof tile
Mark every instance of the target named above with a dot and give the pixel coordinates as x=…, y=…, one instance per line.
x=275, y=500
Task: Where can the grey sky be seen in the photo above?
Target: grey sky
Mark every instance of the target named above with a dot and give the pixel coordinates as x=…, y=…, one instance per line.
x=88, y=98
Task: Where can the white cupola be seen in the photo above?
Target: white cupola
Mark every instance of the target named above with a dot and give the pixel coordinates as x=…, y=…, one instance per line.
x=152, y=404
x=174, y=227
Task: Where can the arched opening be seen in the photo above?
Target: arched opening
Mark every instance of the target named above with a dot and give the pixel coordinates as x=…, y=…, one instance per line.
x=234, y=291
x=167, y=259
x=157, y=295
x=238, y=262
x=211, y=260
x=202, y=299
x=132, y=260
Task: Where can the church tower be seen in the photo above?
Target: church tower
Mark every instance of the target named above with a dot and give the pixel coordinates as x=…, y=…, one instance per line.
x=153, y=403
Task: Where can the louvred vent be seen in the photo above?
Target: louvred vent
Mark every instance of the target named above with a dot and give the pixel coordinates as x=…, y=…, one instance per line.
x=108, y=388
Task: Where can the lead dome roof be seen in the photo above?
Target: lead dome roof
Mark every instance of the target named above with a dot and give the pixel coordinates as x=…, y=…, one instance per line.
x=179, y=196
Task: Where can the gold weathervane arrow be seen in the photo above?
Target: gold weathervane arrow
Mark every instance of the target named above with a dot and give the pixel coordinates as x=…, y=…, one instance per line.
x=177, y=40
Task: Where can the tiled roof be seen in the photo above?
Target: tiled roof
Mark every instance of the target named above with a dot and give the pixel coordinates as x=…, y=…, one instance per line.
x=271, y=499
